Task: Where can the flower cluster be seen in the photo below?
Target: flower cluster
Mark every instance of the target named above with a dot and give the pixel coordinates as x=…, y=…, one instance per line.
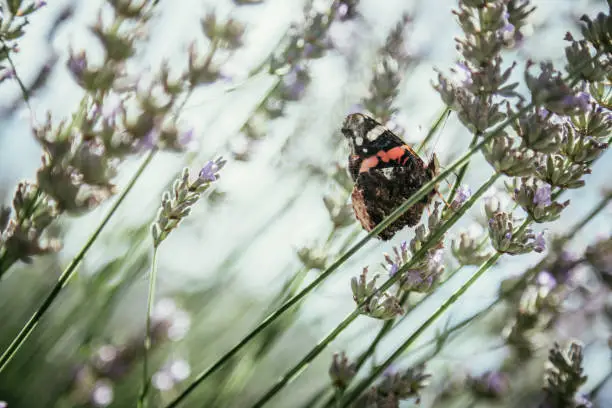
x=479, y=77
x=93, y=382
x=508, y=237
x=468, y=249
x=374, y=303
x=118, y=116
x=396, y=386
x=421, y=277
x=306, y=41
x=185, y=193
x=341, y=371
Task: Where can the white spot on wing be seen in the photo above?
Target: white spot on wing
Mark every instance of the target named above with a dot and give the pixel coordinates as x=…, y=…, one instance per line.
x=359, y=140
x=374, y=133
x=388, y=172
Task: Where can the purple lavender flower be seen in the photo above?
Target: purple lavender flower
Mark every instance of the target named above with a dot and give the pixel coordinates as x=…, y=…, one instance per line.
x=77, y=64
x=542, y=196
x=539, y=242
x=581, y=101
x=462, y=74
x=3, y=404
x=294, y=83
x=493, y=384
x=7, y=74
x=404, y=247
x=508, y=26
x=508, y=235
x=209, y=171
x=463, y=194
x=393, y=270
x=37, y=5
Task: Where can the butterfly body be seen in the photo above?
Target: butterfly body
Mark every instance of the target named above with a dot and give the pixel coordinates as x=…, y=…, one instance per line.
x=386, y=173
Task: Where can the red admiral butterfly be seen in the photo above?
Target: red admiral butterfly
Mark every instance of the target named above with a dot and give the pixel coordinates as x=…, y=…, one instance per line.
x=386, y=173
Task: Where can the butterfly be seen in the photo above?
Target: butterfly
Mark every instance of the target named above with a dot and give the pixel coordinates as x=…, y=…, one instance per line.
x=386, y=172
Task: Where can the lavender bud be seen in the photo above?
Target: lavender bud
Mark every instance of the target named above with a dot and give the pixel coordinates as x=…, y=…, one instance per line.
x=535, y=199
x=468, y=250
x=505, y=158
x=505, y=239
x=341, y=371
x=177, y=205
x=564, y=376
x=313, y=258
x=558, y=171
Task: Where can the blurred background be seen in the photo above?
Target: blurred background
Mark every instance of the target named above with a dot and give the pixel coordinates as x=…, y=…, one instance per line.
x=265, y=230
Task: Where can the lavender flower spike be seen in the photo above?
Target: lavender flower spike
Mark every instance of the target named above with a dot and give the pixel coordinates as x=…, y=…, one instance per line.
x=176, y=204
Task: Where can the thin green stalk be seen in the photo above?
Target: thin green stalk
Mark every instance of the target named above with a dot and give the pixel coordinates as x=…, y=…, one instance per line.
x=432, y=131
x=425, y=189
x=461, y=173
x=69, y=271
x=452, y=299
x=431, y=242
x=147, y=342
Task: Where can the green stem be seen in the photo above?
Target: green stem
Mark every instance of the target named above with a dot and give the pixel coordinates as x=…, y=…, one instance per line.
x=147, y=341
x=431, y=242
x=461, y=173
x=69, y=271
x=432, y=131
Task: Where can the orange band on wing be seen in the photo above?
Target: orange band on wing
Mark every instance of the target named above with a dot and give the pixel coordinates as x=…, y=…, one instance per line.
x=396, y=154
x=368, y=163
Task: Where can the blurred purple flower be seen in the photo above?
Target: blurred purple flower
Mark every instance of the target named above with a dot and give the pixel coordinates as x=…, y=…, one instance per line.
x=77, y=64
x=463, y=194
x=4, y=75
x=508, y=26
x=545, y=279
x=581, y=101
x=542, y=196
x=393, y=270
x=539, y=242
x=294, y=82
x=462, y=75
